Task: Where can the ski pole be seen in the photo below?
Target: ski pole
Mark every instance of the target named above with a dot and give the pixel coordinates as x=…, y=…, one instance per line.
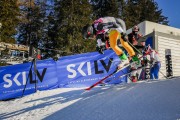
x=32, y=62
x=163, y=74
x=135, y=48
x=121, y=71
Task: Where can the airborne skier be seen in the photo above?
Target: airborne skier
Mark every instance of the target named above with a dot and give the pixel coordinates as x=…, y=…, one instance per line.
x=113, y=29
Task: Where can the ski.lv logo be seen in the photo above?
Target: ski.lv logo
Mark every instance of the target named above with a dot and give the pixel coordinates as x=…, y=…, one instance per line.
x=20, y=78
x=74, y=70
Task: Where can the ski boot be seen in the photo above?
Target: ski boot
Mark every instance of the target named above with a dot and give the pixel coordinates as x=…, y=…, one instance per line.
x=124, y=61
x=136, y=61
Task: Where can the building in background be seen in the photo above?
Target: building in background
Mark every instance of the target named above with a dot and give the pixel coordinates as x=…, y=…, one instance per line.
x=13, y=53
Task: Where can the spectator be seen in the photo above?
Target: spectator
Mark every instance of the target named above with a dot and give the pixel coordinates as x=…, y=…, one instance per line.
x=134, y=38
x=154, y=61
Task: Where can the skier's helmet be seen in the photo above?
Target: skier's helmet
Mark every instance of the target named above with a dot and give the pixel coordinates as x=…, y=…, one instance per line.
x=135, y=28
x=96, y=23
x=147, y=49
x=87, y=31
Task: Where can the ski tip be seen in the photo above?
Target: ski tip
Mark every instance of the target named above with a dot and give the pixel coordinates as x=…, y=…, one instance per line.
x=87, y=89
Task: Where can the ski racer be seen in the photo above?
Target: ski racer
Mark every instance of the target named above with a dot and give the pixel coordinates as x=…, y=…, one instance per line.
x=134, y=38
x=155, y=61
x=113, y=29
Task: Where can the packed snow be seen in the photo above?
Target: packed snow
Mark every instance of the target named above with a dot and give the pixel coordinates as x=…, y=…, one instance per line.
x=144, y=100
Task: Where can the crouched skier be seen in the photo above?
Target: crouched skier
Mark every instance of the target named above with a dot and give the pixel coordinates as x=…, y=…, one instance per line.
x=113, y=29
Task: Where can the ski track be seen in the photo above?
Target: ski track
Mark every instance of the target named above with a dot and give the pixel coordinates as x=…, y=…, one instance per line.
x=144, y=100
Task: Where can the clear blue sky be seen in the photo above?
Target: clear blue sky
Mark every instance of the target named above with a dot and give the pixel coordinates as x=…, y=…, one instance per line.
x=170, y=9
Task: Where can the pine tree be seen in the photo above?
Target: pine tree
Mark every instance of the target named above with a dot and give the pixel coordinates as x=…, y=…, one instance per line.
x=49, y=44
x=137, y=11
x=36, y=27
x=121, y=8
x=103, y=8
x=71, y=17
x=24, y=28
x=32, y=28
x=9, y=12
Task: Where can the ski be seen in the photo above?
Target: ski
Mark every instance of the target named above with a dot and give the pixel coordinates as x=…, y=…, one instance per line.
x=100, y=81
x=127, y=73
x=106, y=82
x=132, y=71
x=116, y=71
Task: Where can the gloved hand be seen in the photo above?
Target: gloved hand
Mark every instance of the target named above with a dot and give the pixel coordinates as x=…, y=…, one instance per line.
x=124, y=37
x=101, y=49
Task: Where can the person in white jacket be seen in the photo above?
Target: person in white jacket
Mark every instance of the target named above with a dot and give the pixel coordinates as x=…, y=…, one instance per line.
x=155, y=61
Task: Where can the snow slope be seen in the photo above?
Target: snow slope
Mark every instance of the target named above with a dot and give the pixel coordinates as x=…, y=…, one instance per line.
x=153, y=100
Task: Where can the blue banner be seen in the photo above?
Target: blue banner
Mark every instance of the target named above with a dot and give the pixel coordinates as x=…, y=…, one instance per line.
x=80, y=70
